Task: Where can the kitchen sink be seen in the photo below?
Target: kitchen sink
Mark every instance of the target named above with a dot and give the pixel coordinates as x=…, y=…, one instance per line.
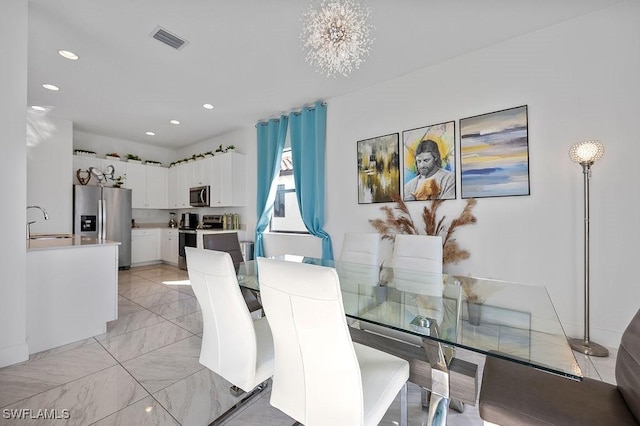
x=49, y=236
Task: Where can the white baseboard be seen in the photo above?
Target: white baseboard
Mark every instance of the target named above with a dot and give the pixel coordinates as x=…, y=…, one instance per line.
x=14, y=354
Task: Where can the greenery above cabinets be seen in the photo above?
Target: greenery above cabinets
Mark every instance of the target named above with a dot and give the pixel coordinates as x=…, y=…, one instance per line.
x=156, y=187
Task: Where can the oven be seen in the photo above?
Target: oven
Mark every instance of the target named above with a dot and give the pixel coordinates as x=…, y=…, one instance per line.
x=186, y=238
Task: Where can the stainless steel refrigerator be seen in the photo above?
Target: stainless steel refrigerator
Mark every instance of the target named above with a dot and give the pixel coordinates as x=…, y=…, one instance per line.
x=104, y=213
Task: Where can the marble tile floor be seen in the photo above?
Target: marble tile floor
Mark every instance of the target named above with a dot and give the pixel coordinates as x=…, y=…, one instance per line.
x=144, y=370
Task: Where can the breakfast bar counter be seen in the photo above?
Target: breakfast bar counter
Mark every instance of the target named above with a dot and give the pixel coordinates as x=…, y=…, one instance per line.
x=72, y=289
x=64, y=241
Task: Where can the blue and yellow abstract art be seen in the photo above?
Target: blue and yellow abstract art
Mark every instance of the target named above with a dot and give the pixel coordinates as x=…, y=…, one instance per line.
x=494, y=151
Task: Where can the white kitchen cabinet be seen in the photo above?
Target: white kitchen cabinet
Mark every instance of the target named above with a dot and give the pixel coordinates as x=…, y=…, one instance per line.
x=178, y=187
x=200, y=172
x=157, y=189
x=145, y=246
x=169, y=246
x=149, y=186
x=228, y=180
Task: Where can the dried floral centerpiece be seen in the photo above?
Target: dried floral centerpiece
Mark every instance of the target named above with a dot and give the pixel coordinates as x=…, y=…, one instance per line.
x=398, y=220
x=475, y=292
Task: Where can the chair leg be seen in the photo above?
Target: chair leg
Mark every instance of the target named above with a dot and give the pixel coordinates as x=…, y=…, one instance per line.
x=457, y=405
x=244, y=401
x=403, y=406
x=235, y=391
x=425, y=394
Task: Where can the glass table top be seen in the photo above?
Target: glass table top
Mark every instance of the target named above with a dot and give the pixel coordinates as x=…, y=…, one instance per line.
x=513, y=321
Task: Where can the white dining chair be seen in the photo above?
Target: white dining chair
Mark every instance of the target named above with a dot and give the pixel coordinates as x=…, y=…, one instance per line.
x=418, y=253
x=234, y=345
x=361, y=247
x=359, y=261
x=417, y=262
x=320, y=376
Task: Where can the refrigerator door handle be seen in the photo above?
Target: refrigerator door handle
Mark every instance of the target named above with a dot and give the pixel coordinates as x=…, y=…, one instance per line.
x=103, y=236
x=100, y=219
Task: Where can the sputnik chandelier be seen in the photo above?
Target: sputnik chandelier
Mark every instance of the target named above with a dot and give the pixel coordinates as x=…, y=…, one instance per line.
x=337, y=36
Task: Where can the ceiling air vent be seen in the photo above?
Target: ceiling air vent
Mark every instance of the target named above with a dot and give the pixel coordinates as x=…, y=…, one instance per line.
x=168, y=38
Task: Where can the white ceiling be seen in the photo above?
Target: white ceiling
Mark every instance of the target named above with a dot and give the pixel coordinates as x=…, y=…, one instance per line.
x=243, y=56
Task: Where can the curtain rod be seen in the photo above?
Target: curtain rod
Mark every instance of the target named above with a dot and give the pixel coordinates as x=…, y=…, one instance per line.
x=297, y=111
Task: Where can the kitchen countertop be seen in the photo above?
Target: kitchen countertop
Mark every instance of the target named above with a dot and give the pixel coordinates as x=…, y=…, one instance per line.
x=74, y=241
x=152, y=226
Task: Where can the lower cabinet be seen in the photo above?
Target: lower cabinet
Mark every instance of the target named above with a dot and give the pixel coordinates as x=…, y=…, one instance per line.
x=169, y=246
x=145, y=246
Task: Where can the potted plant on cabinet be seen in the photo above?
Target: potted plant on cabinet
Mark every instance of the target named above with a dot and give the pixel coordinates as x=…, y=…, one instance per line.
x=231, y=148
x=84, y=153
x=132, y=158
x=114, y=156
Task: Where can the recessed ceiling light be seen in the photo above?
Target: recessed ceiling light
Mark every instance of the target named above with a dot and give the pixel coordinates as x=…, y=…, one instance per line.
x=174, y=121
x=150, y=134
x=68, y=55
x=38, y=108
x=51, y=87
x=207, y=106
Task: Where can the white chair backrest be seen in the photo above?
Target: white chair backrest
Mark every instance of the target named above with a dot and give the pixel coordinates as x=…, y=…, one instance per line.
x=418, y=253
x=361, y=247
x=228, y=338
x=316, y=377
x=360, y=259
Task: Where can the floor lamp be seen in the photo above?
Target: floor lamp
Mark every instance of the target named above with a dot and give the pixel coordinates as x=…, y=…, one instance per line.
x=586, y=154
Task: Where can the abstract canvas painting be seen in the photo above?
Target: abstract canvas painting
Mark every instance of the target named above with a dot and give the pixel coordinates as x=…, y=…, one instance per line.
x=430, y=162
x=494, y=153
x=378, y=169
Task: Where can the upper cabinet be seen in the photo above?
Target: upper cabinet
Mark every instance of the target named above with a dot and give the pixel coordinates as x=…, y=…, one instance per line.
x=228, y=180
x=179, y=187
x=223, y=173
x=200, y=172
x=156, y=187
x=148, y=186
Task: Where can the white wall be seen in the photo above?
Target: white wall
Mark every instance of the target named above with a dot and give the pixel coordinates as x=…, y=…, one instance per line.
x=48, y=179
x=580, y=81
x=13, y=174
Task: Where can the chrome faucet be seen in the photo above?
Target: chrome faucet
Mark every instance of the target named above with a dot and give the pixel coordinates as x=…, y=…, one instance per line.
x=45, y=214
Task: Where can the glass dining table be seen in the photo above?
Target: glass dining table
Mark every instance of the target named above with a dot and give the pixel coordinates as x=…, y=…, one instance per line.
x=424, y=317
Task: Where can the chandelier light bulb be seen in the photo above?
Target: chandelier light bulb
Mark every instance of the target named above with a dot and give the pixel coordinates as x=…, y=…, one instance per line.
x=586, y=152
x=337, y=36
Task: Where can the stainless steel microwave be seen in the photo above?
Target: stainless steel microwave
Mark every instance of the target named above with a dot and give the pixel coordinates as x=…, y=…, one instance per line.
x=199, y=196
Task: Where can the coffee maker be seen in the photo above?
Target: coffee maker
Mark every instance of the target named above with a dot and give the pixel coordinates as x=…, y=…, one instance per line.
x=172, y=220
x=189, y=221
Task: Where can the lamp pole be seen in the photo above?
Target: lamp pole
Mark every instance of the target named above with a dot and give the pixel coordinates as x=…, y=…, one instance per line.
x=586, y=153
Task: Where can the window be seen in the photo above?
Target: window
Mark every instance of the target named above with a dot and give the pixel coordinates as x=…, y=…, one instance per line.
x=286, y=214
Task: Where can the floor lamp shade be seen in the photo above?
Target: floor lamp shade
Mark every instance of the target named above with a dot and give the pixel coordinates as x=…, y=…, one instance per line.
x=586, y=154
